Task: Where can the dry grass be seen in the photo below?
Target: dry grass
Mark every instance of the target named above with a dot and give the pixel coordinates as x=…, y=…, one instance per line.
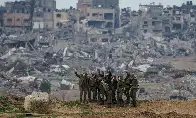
x=145, y=109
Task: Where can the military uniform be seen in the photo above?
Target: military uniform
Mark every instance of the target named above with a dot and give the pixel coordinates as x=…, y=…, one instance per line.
x=128, y=82
x=134, y=90
x=120, y=89
x=83, y=85
x=109, y=90
x=93, y=87
x=114, y=88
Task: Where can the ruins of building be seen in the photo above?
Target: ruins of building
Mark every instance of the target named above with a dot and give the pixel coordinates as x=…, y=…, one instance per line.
x=125, y=16
x=101, y=18
x=43, y=14
x=60, y=18
x=109, y=4
x=2, y=11
x=151, y=19
x=82, y=5
x=16, y=20
x=18, y=7
x=167, y=17
x=101, y=6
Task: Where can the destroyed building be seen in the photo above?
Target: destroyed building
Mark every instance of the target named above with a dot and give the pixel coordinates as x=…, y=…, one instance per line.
x=2, y=11
x=101, y=18
x=125, y=16
x=82, y=5
x=151, y=21
x=167, y=21
x=43, y=14
x=102, y=10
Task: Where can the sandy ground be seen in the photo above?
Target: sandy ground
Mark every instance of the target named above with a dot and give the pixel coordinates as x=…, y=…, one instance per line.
x=149, y=109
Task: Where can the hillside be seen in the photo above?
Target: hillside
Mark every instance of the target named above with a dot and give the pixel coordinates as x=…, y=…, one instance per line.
x=10, y=108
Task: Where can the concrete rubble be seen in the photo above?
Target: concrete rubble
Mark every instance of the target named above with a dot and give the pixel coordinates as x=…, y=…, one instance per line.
x=28, y=57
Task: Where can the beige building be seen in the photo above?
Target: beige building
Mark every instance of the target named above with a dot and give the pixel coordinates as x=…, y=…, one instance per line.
x=16, y=20
x=99, y=17
x=60, y=18
x=43, y=20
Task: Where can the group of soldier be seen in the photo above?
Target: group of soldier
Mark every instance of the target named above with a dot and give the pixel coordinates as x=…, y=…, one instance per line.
x=107, y=88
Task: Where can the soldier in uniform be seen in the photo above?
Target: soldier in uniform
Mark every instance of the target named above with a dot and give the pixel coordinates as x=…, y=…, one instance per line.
x=101, y=88
x=114, y=83
x=90, y=88
x=134, y=89
x=83, y=85
x=93, y=87
x=128, y=82
x=120, y=89
x=109, y=90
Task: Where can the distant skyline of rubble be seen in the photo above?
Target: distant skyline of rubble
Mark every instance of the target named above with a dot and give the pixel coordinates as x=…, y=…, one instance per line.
x=123, y=3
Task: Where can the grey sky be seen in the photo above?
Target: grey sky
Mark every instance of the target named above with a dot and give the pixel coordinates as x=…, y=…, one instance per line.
x=123, y=3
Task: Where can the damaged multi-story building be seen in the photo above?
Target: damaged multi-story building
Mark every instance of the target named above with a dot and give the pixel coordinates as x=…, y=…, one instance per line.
x=17, y=14
x=125, y=16
x=101, y=13
x=43, y=14
x=151, y=19
x=2, y=11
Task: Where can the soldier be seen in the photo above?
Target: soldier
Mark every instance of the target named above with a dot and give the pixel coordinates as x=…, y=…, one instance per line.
x=109, y=88
x=93, y=87
x=114, y=83
x=101, y=88
x=128, y=82
x=120, y=89
x=83, y=85
x=90, y=88
x=134, y=89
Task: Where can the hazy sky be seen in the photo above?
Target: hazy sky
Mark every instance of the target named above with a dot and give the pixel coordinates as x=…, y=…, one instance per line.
x=123, y=3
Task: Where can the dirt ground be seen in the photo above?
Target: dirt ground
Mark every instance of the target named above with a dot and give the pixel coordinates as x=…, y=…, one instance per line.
x=145, y=109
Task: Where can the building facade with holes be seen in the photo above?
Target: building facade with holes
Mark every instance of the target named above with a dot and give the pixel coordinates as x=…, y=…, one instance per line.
x=60, y=18
x=16, y=20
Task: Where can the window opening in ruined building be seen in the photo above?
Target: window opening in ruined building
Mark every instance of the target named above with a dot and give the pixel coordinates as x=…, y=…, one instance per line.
x=178, y=18
x=145, y=22
x=145, y=31
x=105, y=40
x=26, y=20
x=9, y=20
x=38, y=15
x=167, y=29
x=49, y=10
x=88, y=14
x=18, y=20
x=95, y=14
x=58, y=15
x=108, y=16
